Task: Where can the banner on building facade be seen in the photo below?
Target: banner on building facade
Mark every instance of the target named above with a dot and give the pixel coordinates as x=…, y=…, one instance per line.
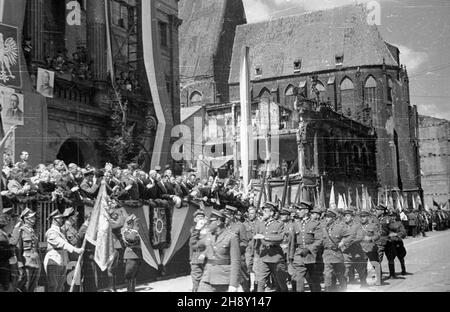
x=9, y=57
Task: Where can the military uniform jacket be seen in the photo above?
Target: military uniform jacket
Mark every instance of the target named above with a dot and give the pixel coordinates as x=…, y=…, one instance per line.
x=5, y=249
x=369, y=230
x=332, y=235
x=353, y=241
x=132, y=242
x=238, y=228
x=196, y=249
x=269, y=249
x=223, y=258
x=57, y=248
x=305, y=234
x=382, y=229
x=398, y=228
x=27, y=242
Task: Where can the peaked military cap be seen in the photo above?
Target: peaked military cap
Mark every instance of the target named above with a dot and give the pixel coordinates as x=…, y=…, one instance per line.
x=198, y=213
x=271, y=205
x=231, y=209
x=317, y=210
x=285, y=211
x=217, y=214
x=349, y=212
x=306, y=205
x=68, y=212
x=364, y=214
x=56, y=214
x=27, y=213
x=330, y=214
x=381, y=207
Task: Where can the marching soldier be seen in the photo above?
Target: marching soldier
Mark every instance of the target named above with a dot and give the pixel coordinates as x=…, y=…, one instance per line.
x=305, y=239
x=285, y=217
x=335, y=239
x=133, y=251
x=5, y=255
x=370, y=237
x=270, y=234
x=29, y=259
x=250, y=227
x=222, y=255
x=315, y=215
x=197, y=256
x=238, y=228
x=394, y=246
x=381, y=221
x=354, y=255
x=56, y=259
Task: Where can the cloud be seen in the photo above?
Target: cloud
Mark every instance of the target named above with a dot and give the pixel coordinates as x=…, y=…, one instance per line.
x=412, y=59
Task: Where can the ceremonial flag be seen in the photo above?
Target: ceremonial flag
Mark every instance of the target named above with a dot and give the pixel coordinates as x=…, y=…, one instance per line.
x=419, y=201
x=358, y=201
x=435, y=204
x=390, y=202
x=322, y=194
x=99, y=231
x=414, y=203
x=332, y=198
x=349, y=199
x=341, y=203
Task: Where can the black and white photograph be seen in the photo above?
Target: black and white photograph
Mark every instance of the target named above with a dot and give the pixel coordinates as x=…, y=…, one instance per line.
x=253, y=147
x=45, y=82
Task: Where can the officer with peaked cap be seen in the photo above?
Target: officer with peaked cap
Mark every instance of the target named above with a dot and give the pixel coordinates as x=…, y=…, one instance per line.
x=394, y=246
x=5, y=255
x=10, y=228
x=370, y=236
x=133, y=251
x=25, y=238
x=197, y=258
x=335, y=238
x=285, y=217
x=238, y=228
x=222, y=254
x=381, y=220
x=56, y=259
x=270, y=233
x=305, y=239
x=354, y=255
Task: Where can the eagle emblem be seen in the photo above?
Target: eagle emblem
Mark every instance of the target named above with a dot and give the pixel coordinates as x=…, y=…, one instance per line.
x=9, y=54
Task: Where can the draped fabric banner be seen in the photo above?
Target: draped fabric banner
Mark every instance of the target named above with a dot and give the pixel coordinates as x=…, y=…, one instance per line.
x=182, y=220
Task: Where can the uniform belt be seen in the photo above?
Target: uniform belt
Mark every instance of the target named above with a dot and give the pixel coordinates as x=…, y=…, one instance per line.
x=219, y=262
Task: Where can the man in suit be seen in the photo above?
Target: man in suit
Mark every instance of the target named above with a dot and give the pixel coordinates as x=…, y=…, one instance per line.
x=45, y=89
x=14, y=112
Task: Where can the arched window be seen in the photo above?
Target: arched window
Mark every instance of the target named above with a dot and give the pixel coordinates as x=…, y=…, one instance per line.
x=370, y=91
x=289, y=96
x=348, y=97
x=390, y=89
x=196, y=98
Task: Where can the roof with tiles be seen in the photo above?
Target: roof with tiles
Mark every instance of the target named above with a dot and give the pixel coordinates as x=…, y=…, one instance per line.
x=199, y=36
x=316, y=39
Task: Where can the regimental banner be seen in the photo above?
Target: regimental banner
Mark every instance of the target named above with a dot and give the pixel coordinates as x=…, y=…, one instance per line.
x=9, y=57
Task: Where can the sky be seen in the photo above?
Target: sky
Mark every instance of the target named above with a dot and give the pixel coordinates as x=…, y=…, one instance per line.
x=421, y=29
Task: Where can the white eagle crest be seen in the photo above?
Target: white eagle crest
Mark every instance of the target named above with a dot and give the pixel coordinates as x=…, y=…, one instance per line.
x=9, y=54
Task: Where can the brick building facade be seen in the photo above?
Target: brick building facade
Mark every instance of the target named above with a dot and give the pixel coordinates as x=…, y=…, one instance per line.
x=74, y=124
x=435, y=159
x=335, y=58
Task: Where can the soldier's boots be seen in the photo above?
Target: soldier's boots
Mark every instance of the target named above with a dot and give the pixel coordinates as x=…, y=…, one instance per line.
x=392, y=271
x=402, y=263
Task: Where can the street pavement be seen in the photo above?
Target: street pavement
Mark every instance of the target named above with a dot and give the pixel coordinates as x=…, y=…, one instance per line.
x=427, y=264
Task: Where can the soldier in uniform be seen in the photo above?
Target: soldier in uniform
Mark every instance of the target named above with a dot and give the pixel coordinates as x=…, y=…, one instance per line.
x=238, y=228
x=335, y=239
x=394, y=246
x=270, y=234
x=354, y=255
x=13, y=262
x=56, y=259
x=371, y=235
x=285, y=217
x=5, y=255
x=197, y=255
x=250, y=227
x=315, y=215
x=133, y=251
x=304, y=241
x=29, y=259
x=222, y=255
x=381, y=221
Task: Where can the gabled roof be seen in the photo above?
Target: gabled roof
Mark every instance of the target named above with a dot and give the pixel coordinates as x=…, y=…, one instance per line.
x=314, y=38
x=199, y=36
